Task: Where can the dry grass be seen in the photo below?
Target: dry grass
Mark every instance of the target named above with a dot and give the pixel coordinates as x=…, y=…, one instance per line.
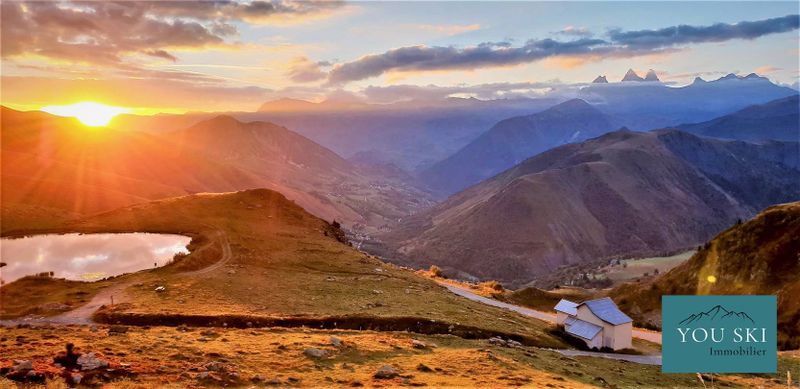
x=630, y=269
x=41, y=296
x=170, y=357
x=284, y=263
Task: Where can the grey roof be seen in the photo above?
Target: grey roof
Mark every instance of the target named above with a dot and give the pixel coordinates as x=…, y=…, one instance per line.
x=567, y=307
x=570, y=320
x=583, y=329
x=607, y=311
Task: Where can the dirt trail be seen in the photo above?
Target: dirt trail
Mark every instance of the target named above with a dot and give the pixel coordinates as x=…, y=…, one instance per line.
x=83, y=314
x=640, y=333
x=222, y=238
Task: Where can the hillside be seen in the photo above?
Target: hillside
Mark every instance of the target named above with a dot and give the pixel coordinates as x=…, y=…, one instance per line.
x=759, y=256
x=257, y=257
x=777, y=119
x=513, y=140
x=621, y=194
x=257, y=261
x=56, y=162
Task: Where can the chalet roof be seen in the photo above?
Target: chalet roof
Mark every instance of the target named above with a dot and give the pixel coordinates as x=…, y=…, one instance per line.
x=567, y=307
x=607, y=311
x=582, y=329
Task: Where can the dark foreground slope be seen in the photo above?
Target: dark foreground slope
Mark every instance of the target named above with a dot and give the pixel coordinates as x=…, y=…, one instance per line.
x=756, y=257
x=624, y=193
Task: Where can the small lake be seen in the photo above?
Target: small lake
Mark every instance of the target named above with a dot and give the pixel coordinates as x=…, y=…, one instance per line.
x=87, y=257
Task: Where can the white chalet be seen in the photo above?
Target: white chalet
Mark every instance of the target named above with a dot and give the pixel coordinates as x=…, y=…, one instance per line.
x=598, y=322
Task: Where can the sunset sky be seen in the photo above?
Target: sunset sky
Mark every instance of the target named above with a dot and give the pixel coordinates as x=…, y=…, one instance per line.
x=189, y=56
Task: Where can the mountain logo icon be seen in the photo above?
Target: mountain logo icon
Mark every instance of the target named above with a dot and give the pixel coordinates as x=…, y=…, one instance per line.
x=716, y=314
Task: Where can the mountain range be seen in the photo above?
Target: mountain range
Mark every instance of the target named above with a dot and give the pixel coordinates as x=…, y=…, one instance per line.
x=623, y=193
x=513, y=140
x=417, y=132
x=649, y=105
x=56, y=162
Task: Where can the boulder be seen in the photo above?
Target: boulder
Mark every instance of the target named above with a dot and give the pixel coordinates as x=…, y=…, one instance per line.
x=117, y=329
x=386, y=372
x=22, y=365
x=215, y=366
x=89, y=361
x=424, y=368
x=495, y=341
x=315, y=353
x=336, y=342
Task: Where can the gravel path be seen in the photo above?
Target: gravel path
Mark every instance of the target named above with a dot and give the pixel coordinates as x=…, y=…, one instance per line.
x=640, y=359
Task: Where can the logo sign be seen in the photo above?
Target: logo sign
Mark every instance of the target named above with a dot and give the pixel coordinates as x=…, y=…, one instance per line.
x=719, y=334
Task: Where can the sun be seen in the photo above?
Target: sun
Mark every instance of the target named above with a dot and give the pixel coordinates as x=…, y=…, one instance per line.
x=88, y=112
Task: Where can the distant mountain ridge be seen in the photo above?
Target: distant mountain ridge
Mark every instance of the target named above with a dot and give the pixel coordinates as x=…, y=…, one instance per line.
x=648, y=105
x=778, y=119
x=515, y=139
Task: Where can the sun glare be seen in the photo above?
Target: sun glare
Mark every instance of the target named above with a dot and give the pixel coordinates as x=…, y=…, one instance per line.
x=89, y=113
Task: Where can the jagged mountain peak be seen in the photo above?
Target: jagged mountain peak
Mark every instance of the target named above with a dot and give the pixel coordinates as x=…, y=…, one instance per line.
x=631, y=75
x=600, y=80
x=651, y=76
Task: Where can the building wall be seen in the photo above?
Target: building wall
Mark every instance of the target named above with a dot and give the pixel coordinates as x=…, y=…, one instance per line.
x=597, y=342
x=561, y=317
x=622, y=336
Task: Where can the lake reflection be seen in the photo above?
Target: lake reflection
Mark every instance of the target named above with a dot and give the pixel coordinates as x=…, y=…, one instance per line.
x=87, y=257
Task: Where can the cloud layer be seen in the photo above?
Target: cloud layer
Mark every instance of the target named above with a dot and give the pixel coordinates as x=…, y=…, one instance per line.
x=618, y=44
x=719, y=32
x=98, y=32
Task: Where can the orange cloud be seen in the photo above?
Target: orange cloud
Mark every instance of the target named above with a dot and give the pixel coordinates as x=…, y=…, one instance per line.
x=766, y=69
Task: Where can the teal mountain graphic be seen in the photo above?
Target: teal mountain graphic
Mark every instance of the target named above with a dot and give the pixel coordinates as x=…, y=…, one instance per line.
x=716, y=314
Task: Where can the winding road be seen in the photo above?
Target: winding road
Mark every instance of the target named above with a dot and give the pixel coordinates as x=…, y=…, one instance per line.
x=639, y=333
